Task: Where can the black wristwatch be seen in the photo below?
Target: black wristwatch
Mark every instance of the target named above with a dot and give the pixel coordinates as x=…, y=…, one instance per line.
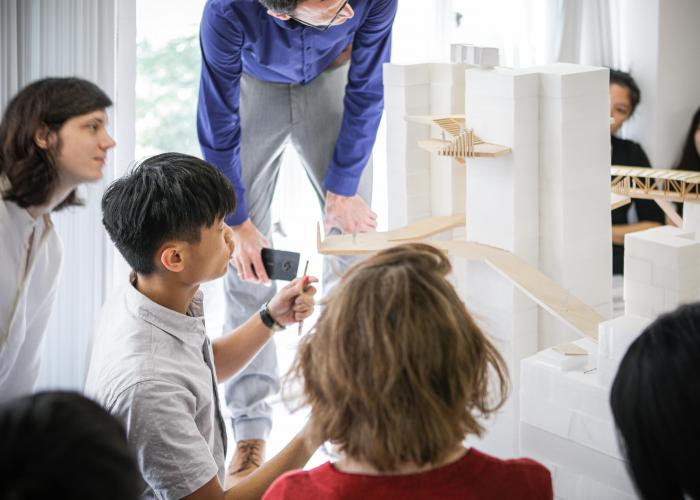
x=268, y=320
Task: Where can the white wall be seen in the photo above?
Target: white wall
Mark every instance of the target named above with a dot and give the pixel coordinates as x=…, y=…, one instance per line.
x=659, y=45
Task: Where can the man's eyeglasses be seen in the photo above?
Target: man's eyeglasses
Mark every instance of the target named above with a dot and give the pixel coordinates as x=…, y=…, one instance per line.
x=325, y=26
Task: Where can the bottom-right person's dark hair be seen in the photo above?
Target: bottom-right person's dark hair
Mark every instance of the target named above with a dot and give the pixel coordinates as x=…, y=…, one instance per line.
x=655, y=401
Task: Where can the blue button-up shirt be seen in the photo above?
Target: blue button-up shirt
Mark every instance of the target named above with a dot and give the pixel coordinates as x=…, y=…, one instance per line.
x=239, y=35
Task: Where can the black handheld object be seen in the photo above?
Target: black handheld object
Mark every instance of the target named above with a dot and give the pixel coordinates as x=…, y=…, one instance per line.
x=279, y=264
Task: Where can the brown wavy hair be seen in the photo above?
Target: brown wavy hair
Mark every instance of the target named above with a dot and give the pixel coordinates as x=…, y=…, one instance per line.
x=48, y=103
x=396, y=371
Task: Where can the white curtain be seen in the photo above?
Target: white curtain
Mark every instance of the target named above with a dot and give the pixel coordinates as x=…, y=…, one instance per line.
x=40, y=38
x=521, y=29
x=584, y=33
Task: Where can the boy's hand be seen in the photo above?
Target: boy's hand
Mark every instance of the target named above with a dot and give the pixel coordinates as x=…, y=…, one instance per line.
x=248, y=242
x=292, y=304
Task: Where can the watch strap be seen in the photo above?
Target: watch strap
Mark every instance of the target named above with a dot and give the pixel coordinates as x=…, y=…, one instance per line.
x=268, y=320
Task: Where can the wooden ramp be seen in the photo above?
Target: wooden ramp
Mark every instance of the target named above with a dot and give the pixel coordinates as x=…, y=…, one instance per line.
x=543, y=290
x=364, y=243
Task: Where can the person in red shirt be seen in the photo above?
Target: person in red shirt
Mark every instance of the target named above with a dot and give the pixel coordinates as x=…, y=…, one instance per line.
x=396, y=374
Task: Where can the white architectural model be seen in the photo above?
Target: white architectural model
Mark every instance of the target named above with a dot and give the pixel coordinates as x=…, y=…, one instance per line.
x=529, y=231
x=548, y=202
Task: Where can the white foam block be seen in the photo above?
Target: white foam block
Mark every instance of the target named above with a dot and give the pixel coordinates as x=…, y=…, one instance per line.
x=574, y=425
x=504, y=83
x=563, y=362
x=575, y=111
x=572, y=80
x=511, y=123
x=400, y=131
x=447, y=180
x=614, y=338
x=572, y=485
x=474, y=55
x=576, y=390
x=638, y=270
x=403, y=75
x=446, y=99
x=670, y=247
x=402, y=160
x=418, y=207
x=412, y=100
x=418, y=184
x=685, y=281
x=547, y=447
x=448, y=73
x=691, y=218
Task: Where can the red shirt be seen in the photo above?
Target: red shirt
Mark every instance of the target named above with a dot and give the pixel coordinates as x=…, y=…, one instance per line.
x=474, y=476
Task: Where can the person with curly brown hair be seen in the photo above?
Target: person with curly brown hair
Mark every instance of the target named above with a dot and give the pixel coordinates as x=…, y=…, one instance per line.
x=397, y=374
x=53, y=137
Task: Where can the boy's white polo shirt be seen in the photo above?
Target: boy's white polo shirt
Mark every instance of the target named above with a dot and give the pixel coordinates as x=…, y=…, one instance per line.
x=152, y=368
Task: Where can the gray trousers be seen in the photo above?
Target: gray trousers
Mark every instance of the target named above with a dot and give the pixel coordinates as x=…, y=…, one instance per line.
x=274, y=115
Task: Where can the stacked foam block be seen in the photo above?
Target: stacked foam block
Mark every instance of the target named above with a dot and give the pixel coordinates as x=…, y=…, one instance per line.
x=614, y=338
x=662, y=270
x=407, y=92
x=447, y=175
x=547, y=202
x=565, y=417
x=574, y=188
x=502, y=210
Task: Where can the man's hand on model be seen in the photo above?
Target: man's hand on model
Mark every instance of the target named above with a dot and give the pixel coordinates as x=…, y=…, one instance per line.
x=248, y=243
x=349, y=214
x=294, y=303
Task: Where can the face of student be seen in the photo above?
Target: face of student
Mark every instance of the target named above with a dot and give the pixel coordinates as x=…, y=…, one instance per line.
x=208, y=258
x=620, y=106
x=82, y=144
x=697, y=140
x=320, y=12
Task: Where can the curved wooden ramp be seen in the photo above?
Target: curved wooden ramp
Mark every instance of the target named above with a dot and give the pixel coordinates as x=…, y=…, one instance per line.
x=363, y=243
x=547, y=293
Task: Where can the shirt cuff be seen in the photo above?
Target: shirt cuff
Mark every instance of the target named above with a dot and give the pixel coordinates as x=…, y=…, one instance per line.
x=339, y=183
x=240, y=215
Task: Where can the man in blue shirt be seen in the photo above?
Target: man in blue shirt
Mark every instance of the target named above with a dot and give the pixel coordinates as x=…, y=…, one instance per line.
x=305, y=72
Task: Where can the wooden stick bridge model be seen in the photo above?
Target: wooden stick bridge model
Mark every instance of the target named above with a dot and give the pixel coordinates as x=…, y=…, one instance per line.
x=464, y=143
x=661, y=185
x=656, y=183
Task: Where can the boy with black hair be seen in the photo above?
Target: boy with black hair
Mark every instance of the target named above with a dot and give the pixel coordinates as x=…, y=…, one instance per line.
x=152, y=364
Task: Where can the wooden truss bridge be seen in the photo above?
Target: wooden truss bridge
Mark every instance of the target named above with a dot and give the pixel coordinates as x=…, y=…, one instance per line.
x=656, y=184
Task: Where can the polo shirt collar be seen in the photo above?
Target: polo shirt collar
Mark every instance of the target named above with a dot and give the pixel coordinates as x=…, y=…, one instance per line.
x=187, y=328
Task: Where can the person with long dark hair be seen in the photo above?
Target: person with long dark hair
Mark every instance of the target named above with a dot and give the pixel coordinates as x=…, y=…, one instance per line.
x=655, y=402
x=690, y=157
x=624, y=99
x=53, y=137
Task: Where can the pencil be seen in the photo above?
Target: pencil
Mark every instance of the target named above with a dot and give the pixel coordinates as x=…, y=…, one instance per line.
x=303, y=288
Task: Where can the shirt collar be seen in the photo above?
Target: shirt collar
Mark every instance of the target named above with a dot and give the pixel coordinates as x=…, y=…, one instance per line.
x=187, y=328
x=290, y=25
x=21, y=216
